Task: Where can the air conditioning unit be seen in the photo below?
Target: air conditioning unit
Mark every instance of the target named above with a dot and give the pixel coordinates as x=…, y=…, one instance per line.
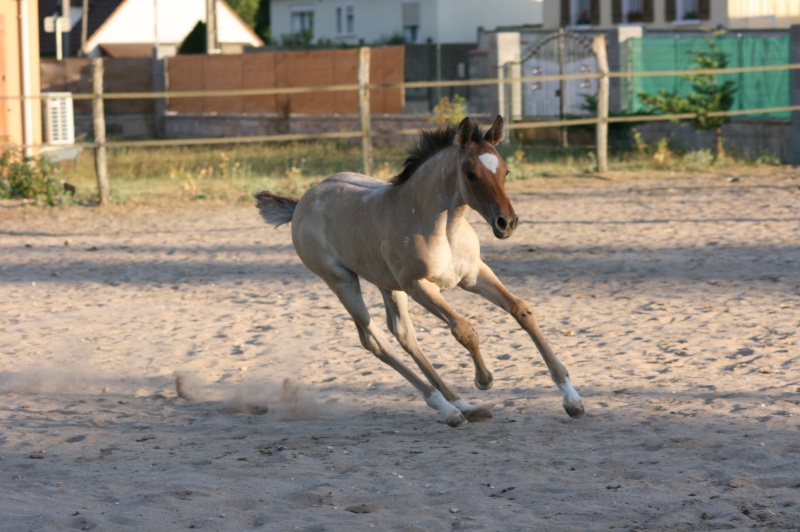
x=59, y=123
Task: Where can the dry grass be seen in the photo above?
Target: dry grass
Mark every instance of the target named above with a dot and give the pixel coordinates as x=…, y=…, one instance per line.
x=234, y=172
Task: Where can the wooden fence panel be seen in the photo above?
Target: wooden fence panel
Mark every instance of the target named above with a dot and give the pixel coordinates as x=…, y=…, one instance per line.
x=314, y=68
x=345, y=72
x=222, y=72
x=258, y=71
x=185, y=73
x=391, y=64
x=310, y=69
x=128, y=75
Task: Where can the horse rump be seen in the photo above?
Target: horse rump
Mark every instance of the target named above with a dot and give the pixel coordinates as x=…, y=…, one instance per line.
x=276, y=210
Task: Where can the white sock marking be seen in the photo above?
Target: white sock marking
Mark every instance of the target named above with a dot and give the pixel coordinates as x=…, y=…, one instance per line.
x=570, y=394
x=490, y=161
x=437, y=401
x=464, y=406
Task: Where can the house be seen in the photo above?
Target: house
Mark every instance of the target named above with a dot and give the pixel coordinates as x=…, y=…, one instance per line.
x=354, y=22
x=671, y=14
x=20, y=120
x=127, y=28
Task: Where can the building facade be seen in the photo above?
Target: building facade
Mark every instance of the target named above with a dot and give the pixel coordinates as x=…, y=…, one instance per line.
x=672, y=14
x=354, y=22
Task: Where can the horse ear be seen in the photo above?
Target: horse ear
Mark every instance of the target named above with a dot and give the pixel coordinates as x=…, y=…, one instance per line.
x=464, y=133
x=495, y=133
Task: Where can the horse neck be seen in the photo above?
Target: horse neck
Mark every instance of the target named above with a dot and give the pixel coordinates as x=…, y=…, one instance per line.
x=434, y=187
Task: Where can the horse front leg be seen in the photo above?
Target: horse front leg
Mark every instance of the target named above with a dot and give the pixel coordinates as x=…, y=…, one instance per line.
x=489, y=286
x=428, y=295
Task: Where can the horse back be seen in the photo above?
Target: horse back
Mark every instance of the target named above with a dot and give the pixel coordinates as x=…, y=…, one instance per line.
x=342, y=221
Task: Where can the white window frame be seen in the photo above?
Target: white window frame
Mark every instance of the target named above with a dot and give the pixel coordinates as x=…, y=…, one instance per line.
x=298, y=13
x=573, y=13
x=680, y=13
x=345, y=20
x=627, y=8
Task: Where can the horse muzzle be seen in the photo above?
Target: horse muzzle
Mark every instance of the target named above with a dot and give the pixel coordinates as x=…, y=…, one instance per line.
x=504, y=226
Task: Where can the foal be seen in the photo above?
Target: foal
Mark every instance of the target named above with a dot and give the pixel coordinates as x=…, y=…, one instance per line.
x=410, y=237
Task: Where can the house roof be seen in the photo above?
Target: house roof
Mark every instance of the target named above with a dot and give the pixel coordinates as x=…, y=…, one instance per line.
x=99, y=11
x=127, y=50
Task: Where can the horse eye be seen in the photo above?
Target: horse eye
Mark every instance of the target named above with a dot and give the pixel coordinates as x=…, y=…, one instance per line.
x=472, y=177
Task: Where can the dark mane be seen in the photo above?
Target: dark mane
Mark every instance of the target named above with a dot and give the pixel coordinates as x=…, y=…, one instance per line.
x=430, y=143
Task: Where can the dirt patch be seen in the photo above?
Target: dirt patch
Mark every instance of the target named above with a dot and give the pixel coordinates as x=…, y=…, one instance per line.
x=673, y=302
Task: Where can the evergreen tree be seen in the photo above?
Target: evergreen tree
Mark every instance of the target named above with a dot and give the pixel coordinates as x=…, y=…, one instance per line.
x=195, y=42
x=246, y=9
x=262, y=21
x=707, y=95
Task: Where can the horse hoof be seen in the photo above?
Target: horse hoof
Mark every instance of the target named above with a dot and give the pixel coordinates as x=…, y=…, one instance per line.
x=575, y=411
x=480, y=413
x=456, y=420
x=486, y=386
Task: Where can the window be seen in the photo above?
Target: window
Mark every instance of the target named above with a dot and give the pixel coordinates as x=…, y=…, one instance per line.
x=411, y=22
x=303, y=20
x=345, y=20
x=688, y=10
x=633, y=11
x=581, y=12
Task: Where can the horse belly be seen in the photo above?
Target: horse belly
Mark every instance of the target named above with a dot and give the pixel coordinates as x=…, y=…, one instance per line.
x=334, y=225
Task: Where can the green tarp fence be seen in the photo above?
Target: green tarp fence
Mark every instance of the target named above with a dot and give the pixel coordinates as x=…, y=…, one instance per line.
x=756, y=90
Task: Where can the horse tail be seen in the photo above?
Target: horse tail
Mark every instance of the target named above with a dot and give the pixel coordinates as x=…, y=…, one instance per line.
x=276, y=210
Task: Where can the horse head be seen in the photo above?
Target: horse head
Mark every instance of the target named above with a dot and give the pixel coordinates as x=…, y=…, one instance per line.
x=482, y=176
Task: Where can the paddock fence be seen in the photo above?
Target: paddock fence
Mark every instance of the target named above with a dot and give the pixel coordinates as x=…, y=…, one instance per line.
x=362, y=91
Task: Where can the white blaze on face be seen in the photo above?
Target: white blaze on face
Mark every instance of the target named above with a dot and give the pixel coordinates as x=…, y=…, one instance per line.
x=490, y=161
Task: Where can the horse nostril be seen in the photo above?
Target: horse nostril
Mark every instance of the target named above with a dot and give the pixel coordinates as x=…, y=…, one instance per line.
x=501, y=223
x=514, y=222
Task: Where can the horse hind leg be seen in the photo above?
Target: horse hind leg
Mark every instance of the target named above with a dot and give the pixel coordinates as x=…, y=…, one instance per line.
x=346, y=286
x=402, y=328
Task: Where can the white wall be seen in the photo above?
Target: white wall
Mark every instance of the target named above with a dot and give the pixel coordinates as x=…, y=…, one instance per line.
x=459, y=19
x=444, y=21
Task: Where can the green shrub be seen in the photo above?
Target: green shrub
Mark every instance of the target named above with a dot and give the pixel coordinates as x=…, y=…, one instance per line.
x=449, y=112
x=28, y=177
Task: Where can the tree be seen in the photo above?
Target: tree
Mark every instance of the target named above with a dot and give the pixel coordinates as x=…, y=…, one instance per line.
x=254, y=13
x=246, y=9
x=262, y=21
x=195, y=42
x=707, y=95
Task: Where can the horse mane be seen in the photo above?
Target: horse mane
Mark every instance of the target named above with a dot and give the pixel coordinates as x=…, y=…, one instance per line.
x=429, y=144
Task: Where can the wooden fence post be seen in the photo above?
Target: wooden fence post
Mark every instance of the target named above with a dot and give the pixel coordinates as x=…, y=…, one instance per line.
x=599, y=47
x=363, y=108
x=99, y=119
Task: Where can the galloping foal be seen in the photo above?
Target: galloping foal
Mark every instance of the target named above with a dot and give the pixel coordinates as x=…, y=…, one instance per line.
x=410, y=236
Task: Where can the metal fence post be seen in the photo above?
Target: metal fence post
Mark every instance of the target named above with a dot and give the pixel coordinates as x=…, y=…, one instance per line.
x=99, y=120
x=599, y=47
x=363, y=108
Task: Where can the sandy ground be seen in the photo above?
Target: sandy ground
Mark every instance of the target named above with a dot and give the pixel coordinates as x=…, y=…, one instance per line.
x=674, y=303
